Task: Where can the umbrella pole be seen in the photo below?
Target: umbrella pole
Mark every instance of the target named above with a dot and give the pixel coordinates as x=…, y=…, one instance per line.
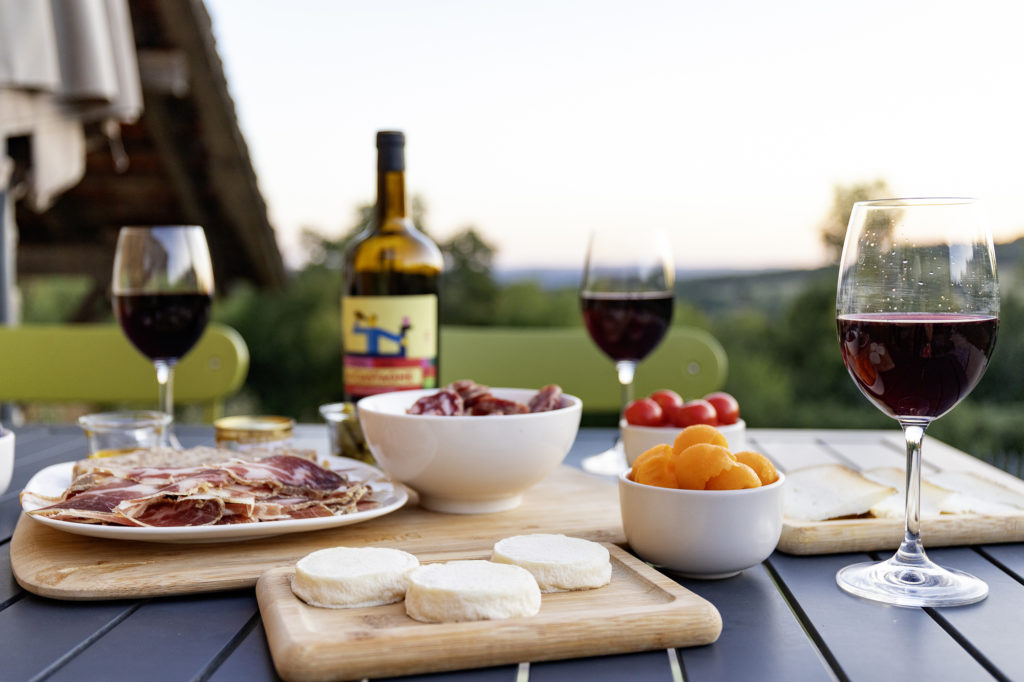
x=8, y=247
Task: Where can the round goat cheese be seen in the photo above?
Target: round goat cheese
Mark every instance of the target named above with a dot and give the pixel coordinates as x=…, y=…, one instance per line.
x=470, y=590
x=349, y=577
x=559, y=563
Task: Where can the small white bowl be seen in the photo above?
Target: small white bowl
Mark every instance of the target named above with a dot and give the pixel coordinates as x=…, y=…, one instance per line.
x=637, y=440
x=702, y=533
x=6, y=459
x=467, y=464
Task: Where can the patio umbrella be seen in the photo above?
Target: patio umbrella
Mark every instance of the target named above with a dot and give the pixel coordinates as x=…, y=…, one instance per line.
x=63, y=64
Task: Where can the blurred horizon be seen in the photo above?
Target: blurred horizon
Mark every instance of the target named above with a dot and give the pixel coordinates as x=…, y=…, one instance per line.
x=730, y=124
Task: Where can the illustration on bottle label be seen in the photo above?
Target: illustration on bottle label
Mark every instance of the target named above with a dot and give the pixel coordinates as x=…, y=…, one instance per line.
x=390, y=343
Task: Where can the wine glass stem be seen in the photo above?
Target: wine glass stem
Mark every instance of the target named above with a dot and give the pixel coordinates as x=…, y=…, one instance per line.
x=911, y=550
x=626, y=369
x=165, y=386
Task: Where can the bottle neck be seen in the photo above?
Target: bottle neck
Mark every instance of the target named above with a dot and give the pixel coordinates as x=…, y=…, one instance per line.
x=390, y=211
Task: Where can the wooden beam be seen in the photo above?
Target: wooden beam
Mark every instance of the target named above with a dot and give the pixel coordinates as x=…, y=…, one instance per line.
x=230, y=168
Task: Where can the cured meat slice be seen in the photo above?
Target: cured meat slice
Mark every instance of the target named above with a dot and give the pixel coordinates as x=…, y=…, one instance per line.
x=291, y=473
x=547, y=398
x=445, y=403
x=492, y=405
x=168, y=511
x=469, y=391
x=104, y=497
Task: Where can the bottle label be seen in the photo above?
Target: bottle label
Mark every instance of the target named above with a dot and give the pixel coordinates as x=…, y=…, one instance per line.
x=390, y=343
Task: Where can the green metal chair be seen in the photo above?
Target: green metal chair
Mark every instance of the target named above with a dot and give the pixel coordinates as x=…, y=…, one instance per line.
x=95, y=363
x=689, y=361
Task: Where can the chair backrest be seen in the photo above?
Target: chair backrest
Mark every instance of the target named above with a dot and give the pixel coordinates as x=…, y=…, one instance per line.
x=96, y=363
x=689, y=361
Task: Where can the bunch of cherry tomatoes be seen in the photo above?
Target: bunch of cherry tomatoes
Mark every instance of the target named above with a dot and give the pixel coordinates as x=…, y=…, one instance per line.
x=667, y=408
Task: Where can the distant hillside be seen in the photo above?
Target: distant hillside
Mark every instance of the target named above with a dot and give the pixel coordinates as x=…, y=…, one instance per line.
x=765, y=292
x=561, y=278
x=719, y=290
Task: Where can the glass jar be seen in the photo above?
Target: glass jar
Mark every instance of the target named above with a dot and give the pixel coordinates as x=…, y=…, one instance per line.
x=247, y=432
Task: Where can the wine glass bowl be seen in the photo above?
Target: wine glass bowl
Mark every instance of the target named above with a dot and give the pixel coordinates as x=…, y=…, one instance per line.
x=917, y=313
x=626, y=298
x=162, y=290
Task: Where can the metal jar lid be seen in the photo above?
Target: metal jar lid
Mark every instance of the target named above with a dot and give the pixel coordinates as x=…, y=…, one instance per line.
x=253, y=429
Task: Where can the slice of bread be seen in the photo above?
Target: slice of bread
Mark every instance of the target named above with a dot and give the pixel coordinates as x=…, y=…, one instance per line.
x=935, y=499
x=830, y=491
x=169, y=457
x=981, y=495
x=470, y=590
x=559, y=563
x=350, y=577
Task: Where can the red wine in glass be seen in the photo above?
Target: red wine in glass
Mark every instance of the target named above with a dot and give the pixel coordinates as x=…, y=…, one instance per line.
x=916, y=364
x=627, y=326
x=163, y=326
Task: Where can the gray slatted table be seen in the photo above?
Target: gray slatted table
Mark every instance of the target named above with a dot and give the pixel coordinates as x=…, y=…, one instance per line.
x=784, y=620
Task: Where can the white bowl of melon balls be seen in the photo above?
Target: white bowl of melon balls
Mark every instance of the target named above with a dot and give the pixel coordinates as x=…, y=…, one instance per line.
x=658, y=417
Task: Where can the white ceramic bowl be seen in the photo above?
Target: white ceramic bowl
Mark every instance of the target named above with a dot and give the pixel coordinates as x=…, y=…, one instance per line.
x=467, y=465
x=637, y=440
x=702, y=533
x=6, y=459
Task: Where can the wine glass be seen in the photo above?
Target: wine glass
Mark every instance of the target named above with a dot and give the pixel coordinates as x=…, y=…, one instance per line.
x=917, y=311
x=163, y=287
x=627, y=302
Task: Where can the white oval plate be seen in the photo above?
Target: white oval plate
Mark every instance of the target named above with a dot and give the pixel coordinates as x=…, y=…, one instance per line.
x=54, y=480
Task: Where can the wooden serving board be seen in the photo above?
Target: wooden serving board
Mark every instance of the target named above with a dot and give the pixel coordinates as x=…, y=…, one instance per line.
x=60, y=565
x=792, y=450
x=639, y=610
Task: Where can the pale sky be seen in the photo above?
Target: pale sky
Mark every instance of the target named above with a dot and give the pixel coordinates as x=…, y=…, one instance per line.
x=535, y=121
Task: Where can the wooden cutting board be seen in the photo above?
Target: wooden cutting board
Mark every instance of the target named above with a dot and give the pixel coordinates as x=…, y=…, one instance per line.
x=639, y=610
x=794, y=450
x=60, y=565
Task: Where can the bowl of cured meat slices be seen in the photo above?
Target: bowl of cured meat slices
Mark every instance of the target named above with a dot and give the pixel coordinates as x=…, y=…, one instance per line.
x=206, y=495
x=468, y=448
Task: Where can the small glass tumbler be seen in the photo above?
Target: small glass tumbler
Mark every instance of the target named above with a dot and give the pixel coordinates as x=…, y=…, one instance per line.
x=344, y=432
x=118, y=433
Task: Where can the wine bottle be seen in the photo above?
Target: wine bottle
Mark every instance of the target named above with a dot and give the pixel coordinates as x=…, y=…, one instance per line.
x=389, y=305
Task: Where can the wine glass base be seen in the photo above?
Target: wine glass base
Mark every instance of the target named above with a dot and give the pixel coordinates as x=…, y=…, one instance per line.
x=919, y=584
x=611, y=462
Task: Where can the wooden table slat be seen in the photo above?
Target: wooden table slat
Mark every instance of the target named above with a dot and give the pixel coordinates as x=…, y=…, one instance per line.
x=985, y=624
x=653, y=665
x=760, y=631
x=868, y=639
x=194, y=631
x=249, y=661
x=38, y=632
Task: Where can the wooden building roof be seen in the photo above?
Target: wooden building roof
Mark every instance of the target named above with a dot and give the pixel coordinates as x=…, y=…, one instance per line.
x=187, y=164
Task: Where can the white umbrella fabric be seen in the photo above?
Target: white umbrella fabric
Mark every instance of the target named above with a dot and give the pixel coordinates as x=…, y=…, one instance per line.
x=63, y=64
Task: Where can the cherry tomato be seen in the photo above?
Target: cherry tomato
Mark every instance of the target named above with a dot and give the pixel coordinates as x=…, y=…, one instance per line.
x=693, y=412
x=666, y=398
x=727, y=407
x=644, y=412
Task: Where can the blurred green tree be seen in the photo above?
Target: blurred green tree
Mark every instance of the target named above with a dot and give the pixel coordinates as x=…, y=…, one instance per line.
x=468, y=290
x=833, y=228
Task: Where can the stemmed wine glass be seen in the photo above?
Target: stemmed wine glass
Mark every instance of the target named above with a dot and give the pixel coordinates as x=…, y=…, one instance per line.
x=917, y=312
x=627, y=302
x=163, y=287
